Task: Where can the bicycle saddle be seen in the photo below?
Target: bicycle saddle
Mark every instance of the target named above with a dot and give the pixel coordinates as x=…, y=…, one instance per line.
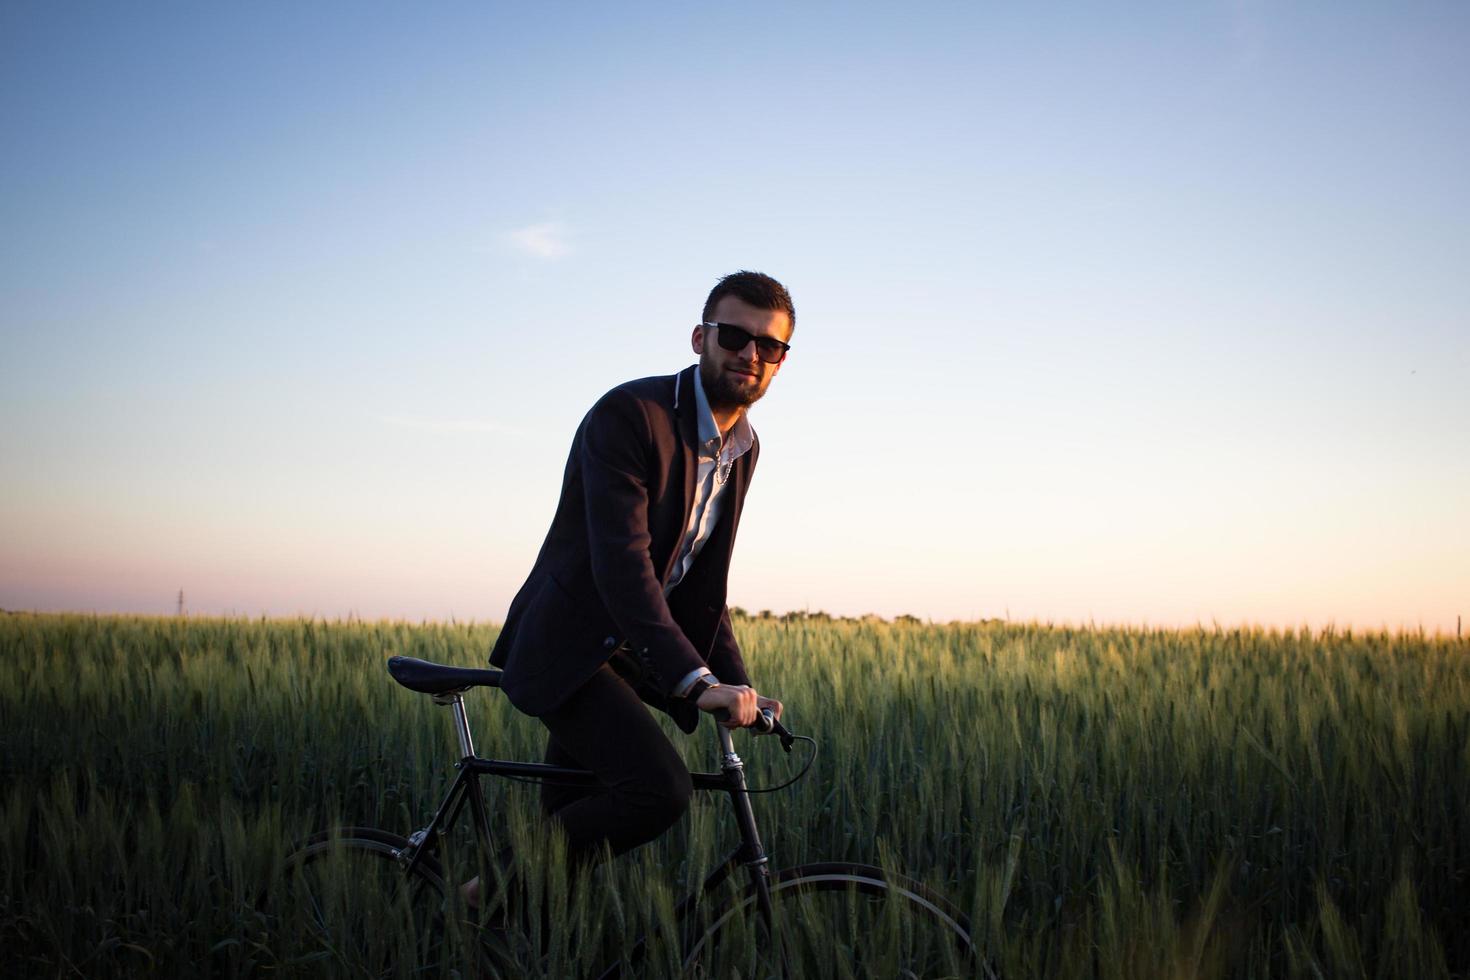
x=430, y=678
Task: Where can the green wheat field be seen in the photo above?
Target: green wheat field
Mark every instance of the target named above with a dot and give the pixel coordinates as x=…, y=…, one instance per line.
x=1101, y=802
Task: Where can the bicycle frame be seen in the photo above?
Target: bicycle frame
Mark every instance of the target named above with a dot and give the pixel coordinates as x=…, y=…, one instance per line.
x=466, y=791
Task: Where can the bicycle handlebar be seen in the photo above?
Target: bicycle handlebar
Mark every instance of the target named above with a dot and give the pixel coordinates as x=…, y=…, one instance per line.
x=765, y=724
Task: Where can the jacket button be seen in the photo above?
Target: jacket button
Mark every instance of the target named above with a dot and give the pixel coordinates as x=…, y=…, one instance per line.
x=609, y=643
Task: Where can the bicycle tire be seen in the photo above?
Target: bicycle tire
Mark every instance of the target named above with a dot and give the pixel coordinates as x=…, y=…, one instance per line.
x=837, y=920
x=349, y=907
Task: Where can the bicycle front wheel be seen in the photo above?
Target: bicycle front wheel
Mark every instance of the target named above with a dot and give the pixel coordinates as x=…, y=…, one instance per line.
x=349, y=907
x=839, y=921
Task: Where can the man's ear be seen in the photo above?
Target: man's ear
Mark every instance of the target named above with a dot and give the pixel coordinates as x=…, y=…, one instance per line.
x=697, y=341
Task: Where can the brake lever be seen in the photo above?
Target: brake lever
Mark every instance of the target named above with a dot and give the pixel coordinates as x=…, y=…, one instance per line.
x=774, y=727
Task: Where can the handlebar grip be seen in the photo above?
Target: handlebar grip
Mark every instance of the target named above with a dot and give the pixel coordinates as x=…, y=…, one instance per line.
x=765, y=722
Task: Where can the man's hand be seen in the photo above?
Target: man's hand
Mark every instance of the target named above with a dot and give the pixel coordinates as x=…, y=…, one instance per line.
x=741, y=702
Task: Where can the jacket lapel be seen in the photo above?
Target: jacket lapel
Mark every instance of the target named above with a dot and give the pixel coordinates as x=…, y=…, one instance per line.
x=734, y=503
x=686, y=422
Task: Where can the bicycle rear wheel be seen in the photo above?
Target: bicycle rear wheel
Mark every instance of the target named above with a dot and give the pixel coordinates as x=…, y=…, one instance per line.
x=349, y=907
x=840, y=921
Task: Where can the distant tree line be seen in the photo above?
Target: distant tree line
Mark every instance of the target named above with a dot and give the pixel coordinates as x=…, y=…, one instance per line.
x=818, y=616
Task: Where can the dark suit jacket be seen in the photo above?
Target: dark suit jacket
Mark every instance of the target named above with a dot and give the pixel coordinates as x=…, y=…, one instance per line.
x=597, y=584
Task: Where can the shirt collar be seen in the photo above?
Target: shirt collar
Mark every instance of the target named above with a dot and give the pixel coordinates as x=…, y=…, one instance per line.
x=740, y=437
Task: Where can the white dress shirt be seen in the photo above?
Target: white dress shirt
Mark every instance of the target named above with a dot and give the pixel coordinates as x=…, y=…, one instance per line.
x=715, y=456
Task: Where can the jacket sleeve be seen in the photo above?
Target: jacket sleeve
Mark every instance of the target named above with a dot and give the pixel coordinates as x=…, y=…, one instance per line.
x=614, y=454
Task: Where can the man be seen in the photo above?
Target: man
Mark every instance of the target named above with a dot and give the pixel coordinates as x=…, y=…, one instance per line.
x=625, y=604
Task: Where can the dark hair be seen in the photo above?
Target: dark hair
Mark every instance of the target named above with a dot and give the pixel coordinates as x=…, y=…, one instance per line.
x=755, y=288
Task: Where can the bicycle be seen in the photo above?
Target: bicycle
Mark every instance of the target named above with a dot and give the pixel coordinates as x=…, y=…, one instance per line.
x=403, y=919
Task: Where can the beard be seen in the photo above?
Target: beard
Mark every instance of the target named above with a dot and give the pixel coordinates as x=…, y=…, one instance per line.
x=722, y=390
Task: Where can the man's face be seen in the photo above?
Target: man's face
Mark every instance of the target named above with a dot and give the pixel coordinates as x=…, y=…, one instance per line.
x=736, y=378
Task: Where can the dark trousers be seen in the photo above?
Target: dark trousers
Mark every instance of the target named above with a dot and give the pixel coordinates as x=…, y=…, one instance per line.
x=643, y=786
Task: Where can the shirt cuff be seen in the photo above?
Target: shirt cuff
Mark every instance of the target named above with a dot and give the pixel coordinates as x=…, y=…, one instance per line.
x=682, y=688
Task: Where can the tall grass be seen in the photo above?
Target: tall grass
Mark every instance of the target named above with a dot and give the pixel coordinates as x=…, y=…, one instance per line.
x=1101, y=802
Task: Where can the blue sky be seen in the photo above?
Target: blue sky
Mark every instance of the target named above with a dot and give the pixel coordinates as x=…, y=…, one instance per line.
x=1125, y=313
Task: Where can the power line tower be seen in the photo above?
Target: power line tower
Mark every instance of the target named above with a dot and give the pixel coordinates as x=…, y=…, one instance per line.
x=181, y=602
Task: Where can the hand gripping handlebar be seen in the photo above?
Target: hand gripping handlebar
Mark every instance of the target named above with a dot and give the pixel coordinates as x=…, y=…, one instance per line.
x=765, y=724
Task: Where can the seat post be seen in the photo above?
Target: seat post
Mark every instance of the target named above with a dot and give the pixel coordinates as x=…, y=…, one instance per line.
x=455, y=699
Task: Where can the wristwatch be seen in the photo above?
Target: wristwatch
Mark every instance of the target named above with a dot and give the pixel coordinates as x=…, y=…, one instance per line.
x=700, y=685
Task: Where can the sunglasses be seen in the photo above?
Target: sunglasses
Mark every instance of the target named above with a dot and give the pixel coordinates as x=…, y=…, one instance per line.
x=734, y=338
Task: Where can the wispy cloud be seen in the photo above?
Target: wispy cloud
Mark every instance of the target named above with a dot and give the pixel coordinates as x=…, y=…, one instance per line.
x=418, y=424
x=544, y=241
